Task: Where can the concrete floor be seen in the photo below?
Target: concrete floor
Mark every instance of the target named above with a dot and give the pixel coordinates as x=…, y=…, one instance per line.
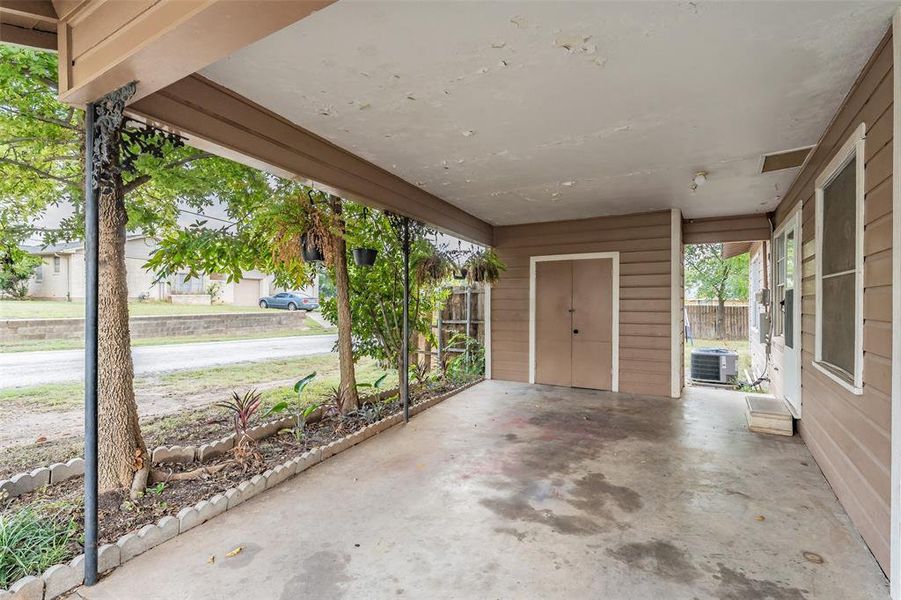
x=518, y=491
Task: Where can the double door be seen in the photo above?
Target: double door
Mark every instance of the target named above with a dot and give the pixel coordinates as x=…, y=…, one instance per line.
x=574, y=323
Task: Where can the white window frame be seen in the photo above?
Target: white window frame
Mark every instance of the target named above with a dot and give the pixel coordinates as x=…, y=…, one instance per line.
x=853, y=148
x=57, y=265
x=39, y=273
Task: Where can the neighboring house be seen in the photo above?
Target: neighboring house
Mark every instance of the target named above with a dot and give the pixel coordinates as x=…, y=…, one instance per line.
x=61, y=276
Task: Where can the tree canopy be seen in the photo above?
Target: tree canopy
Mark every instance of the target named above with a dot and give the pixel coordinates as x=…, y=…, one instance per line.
x=709, y=276
x=41, y=163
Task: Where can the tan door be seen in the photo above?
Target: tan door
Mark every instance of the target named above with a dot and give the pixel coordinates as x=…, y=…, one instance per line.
x=574, y=323
x=247, y=292
x=592, y=340
x=553, y=322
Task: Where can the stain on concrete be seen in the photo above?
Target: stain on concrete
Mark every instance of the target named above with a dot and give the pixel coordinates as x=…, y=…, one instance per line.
x=511, y=437
x=735, y=585
x=241, y=559
x=517, y=509
x=519, y=535
x=592, y=492
x=323, y=575
x=659, y=558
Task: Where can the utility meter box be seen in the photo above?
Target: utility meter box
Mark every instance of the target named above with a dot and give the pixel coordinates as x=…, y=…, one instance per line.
x=763, y=327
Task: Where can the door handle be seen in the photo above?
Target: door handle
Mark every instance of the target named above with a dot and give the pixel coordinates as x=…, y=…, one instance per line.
x=575, y=331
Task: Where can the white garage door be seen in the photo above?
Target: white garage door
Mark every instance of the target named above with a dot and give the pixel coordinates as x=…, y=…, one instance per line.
x=247, y=292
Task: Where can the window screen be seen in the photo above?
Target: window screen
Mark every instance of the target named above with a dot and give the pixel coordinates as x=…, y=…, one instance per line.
x=838, y=268
x=779, y=280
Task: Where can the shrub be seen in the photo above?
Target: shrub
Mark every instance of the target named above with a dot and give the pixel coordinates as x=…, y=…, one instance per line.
x=30, y=542
x=242, y=409
x=467, y=365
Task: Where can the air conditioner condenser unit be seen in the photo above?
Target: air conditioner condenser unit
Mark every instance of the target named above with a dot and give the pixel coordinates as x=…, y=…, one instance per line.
x=714, y=365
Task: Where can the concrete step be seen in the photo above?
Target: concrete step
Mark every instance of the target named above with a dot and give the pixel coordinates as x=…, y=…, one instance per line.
x=769, y=415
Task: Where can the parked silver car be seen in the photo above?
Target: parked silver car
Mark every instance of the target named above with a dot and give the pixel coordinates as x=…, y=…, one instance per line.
x=290, y=301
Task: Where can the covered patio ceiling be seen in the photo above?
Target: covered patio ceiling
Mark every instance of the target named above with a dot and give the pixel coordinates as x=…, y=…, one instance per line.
x=523, y=112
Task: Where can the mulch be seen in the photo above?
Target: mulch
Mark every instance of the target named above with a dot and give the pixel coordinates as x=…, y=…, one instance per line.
x=119, y=515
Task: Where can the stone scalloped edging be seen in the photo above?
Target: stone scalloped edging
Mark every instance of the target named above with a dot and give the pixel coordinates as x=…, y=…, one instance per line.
x=61, y=578
x=24, y=483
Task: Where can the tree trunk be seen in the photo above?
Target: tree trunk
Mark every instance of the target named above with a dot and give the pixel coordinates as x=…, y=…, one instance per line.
x=121, y=449
x=720, y=318
x=348, y=386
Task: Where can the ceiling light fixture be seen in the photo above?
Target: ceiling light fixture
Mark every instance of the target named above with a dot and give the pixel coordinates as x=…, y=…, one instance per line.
x=700, y=180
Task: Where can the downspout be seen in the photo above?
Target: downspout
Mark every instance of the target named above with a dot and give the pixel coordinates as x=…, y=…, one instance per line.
x=91, y=254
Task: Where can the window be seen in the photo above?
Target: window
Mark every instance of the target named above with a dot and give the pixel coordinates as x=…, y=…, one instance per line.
x=183, y=283
x=779, y=284
x=39, y=273
x=839, y=264
x=56, y=264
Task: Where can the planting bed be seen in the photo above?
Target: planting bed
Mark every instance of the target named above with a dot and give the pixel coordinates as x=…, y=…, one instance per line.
x=118, y=515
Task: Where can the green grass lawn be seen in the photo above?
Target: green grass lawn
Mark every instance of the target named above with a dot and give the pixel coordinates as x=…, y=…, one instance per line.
x=310, y=327
x=216, y=382
x=742, y=347
x=52, y=309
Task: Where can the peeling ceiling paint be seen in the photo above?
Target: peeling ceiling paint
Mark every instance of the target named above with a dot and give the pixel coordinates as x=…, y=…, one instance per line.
x=519, y=112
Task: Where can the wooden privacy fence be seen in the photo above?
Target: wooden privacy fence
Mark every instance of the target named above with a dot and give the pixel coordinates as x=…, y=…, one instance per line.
x=702, y=318
x=464, y=313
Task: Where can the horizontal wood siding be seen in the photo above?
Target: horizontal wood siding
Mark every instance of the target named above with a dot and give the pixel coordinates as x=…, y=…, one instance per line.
x=849, y=435
x=643, y=241
x=741, y=228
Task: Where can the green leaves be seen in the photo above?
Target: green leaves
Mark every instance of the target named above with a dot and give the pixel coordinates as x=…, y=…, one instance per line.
x=303, y=382
x=709, y=276
x=378, y=382
x=30, y=542
x=376, y=301
x=16, y=267
x=277, y=408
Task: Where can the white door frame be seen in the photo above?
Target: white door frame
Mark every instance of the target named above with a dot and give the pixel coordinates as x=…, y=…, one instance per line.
x=614, y=256
x=793, y=221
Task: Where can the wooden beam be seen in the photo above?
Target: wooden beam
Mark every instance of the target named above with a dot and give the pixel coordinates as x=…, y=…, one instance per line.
x=30, y=38
x=39, y=10
x=157, y=42
x=217, y=119
x=739, y=228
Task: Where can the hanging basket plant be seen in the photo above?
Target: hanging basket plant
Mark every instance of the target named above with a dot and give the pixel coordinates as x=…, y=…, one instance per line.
x=304, y=233
x=364, y=257
x=484, y=267
x=433, y=268
x=310, y=250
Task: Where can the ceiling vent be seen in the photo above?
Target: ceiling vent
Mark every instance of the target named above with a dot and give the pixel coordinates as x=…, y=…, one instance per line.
x=786, y=159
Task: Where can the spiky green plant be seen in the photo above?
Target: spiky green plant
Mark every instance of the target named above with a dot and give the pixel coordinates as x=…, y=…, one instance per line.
x=30, y=542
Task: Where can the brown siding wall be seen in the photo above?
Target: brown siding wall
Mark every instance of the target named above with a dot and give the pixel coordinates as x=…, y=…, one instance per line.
x=740, y=228
x=849, y=435
x=643, y=241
